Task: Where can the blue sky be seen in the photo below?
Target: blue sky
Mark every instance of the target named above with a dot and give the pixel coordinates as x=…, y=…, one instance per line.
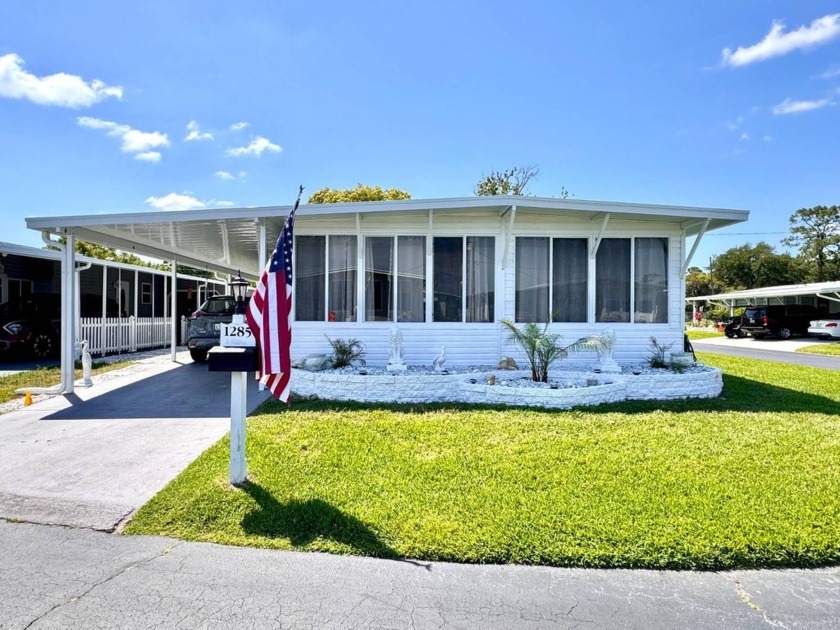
x=182, y=104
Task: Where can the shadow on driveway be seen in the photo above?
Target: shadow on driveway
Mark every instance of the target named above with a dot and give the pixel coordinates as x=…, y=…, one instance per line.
x=187, y=391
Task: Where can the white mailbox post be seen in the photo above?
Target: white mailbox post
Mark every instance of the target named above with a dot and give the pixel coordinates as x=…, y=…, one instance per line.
x=237, y=355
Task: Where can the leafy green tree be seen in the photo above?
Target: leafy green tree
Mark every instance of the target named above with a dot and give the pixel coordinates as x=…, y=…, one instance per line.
x=755, y=266
x=697, y=282
x=359, y=193
x=816, y=233
x=510, y=182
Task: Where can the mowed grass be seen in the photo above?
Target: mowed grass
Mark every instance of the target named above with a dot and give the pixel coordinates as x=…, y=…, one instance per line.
x=832, y=349
x=46, y=377
x=702, y=334
x=747, y=480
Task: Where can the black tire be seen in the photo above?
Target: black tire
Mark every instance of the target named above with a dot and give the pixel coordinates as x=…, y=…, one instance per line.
x=42, y=345
x=199, y=356
x=729, y=334
x=741, y=333
x=784, y=333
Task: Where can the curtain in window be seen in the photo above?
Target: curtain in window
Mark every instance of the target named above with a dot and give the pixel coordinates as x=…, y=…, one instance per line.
x=309, y=278
x=569, y=280
x=532, y=279
x=342, y=279
x=379, y=274
x=612, y=280
x=481, y=281
x=447, y=281
x=411, y=278
x=651, y=281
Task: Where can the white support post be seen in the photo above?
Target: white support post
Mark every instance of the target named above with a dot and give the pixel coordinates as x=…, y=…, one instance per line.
x=508, y=235
x=68, y=312
x=173, y=306
x=238, y=396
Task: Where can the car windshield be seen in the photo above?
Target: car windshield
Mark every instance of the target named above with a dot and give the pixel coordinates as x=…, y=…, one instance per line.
x=219, y=305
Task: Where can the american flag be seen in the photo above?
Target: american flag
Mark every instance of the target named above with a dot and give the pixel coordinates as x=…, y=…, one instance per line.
x=269, y=314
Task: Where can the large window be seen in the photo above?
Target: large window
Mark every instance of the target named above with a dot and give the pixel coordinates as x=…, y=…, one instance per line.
x=456, y=259
x=405, y=298
x=320, y=259
x=612, y=280
x=650, y=280
x=551, y=271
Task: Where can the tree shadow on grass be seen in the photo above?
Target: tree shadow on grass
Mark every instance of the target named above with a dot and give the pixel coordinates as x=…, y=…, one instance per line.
x=303, y=522
x=739, y=394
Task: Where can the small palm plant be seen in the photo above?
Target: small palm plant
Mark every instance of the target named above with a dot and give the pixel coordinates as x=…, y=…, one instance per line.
x=345, y=351
x=542, y=348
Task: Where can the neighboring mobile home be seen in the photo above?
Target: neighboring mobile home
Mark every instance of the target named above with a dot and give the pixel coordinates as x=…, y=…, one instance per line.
x=446, y=271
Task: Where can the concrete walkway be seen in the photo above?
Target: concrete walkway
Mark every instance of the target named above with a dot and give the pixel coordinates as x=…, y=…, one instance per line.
x=54, y=577
x=91, y=458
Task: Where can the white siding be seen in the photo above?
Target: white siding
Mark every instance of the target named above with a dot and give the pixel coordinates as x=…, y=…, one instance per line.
x=484, y=343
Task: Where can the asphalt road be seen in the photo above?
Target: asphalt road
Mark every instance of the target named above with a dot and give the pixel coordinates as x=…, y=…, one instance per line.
x=768, y=350
x=56, y=577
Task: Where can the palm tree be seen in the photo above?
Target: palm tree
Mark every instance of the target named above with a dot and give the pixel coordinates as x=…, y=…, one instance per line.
x=542, y=348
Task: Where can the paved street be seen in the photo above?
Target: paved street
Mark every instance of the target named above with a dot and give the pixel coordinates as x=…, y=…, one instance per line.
x=783, y=351
x=56, y=577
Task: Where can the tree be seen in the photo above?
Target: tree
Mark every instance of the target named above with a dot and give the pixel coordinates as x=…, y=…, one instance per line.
x=755, y=266
x=359, y=193
x=816, y=233
x=510, y=182
x=697, y=283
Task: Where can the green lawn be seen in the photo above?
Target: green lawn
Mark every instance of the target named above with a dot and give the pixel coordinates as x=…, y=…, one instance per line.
x=750, y=479
x=824, y=348
x=46, y=377
x=702, y=334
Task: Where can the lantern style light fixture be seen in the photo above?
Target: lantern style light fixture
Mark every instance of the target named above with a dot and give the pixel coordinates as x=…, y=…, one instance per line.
x=238, y=287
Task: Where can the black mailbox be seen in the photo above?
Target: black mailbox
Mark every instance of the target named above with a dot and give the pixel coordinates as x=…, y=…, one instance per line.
x=222, y=359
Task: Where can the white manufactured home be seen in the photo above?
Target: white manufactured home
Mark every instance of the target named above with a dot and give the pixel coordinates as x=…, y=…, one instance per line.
x=446, y=271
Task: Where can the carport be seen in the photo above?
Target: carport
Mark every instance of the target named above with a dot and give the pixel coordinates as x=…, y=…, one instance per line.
x=225, y=241
x=825, y=294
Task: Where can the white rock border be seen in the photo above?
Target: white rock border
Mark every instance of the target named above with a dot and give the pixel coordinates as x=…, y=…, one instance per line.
x=458, y=388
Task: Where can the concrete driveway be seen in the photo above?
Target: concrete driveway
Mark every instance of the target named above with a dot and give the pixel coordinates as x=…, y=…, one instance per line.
x=91, y=458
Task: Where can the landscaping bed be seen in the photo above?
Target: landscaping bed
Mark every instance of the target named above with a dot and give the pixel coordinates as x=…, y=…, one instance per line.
x=748, y=479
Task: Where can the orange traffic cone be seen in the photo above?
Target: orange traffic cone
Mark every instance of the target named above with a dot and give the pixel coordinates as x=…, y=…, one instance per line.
x=27, y=398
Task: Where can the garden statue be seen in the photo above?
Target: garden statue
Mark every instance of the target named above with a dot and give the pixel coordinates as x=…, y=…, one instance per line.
x=438, y=361
x=396, y=362
x=605, y=352
x=87, y=363
x=507, y=363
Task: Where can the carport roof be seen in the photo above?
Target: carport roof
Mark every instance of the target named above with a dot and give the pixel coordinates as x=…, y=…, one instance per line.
x=787, y=290
x=227, y=239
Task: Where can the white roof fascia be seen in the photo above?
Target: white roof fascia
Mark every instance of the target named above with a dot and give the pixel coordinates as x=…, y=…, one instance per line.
x=500, y=203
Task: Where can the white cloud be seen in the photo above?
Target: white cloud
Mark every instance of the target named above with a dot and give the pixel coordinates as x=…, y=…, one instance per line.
x=239, y=126
x=257, y=146
x=767, y=138
x=226, y=176
x=831, y=73
x=195, y=133
x=745, y=137
x=221, y=203
x=788, y=106
x=131, y=140
x=61, y=89
x=148, y=156
x=777, y=43
x=174, y=201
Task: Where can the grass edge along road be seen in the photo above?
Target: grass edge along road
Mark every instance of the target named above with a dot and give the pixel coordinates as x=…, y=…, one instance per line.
x=47, y=377
x=746, y=480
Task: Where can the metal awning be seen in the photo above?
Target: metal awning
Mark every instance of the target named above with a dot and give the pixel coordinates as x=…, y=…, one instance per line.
x=228, y=239
x=788, y=290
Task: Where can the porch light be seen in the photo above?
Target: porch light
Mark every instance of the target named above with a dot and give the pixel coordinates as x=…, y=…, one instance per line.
x=238, y=286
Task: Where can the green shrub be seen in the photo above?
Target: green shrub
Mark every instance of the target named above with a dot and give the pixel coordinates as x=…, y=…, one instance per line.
x=345, y=351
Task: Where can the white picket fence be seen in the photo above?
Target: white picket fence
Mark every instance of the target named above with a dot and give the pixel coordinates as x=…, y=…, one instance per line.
x=126, y=334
